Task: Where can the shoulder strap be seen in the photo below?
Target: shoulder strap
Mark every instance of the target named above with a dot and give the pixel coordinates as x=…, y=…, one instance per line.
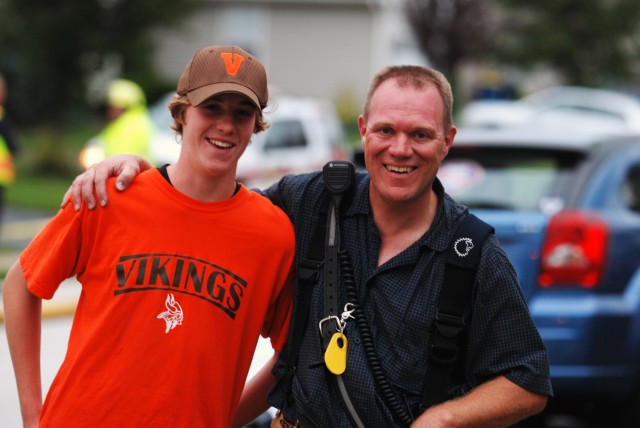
x=308, y=273
x=463, y=256
x=339, y=179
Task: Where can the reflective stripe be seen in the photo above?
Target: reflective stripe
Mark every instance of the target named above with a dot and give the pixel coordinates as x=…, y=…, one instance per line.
x=7, y=169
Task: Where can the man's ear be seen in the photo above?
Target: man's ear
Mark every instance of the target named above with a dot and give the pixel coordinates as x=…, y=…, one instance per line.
x=362, y=127
x=448, y=139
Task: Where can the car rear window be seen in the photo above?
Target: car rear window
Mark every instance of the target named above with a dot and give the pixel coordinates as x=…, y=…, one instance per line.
x=508, y=178
x=285, y=134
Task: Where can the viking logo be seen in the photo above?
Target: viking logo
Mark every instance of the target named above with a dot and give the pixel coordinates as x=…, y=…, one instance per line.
x=173, y=316
x=463, y=247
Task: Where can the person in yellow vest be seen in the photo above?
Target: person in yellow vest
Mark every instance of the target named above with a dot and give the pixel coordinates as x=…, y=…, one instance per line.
x=8, y=147
x=130, y=128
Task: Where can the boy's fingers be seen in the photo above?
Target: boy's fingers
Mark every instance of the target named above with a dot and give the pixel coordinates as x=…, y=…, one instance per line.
x=84, y=189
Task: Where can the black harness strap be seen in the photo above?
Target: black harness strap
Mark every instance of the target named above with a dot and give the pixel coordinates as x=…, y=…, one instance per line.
x=308, y=273
x=462, y=259
x=328, y=328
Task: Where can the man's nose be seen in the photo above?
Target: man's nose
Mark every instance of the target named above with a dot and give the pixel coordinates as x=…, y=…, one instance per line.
x=400, y=146
x=225, y=123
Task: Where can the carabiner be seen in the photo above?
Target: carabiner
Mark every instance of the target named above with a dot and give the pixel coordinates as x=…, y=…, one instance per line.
x=340, y=323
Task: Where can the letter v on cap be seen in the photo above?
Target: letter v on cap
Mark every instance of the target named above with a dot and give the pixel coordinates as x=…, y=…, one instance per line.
x=232, y=64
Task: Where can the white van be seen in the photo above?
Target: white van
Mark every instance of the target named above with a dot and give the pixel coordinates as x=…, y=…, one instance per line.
x=304, y=134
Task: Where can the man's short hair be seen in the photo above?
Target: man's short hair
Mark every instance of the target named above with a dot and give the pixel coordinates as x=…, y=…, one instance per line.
x=418, y=77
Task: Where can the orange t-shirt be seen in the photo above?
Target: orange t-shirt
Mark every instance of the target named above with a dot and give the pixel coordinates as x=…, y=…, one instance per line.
x=175, y=293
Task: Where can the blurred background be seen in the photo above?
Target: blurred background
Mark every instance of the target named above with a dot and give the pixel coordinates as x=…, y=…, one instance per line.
x=509, y=61
x=59, y=56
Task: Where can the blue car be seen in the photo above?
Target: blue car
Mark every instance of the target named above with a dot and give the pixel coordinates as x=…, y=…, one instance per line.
x=566, y=208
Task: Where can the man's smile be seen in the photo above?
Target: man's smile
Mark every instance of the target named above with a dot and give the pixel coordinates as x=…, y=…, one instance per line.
x=220, y=144
x=399, y=169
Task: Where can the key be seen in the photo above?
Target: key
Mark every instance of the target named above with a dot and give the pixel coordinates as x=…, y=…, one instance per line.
x=335, y=357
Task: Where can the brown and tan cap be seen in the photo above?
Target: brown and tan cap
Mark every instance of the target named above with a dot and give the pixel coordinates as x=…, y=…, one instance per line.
x=218, y=69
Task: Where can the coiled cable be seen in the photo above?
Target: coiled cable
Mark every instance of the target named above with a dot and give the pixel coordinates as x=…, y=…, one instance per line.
x=366, y=336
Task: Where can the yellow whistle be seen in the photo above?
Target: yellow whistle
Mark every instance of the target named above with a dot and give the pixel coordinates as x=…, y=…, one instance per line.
x=335, y=357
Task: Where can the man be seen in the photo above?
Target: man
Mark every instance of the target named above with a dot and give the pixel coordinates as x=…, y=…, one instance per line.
x=396, y=230
x=178, y=281
x=129, y=130
x=9, y=147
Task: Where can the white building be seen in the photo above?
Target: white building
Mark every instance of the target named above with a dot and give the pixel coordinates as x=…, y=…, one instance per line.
x=323, y=48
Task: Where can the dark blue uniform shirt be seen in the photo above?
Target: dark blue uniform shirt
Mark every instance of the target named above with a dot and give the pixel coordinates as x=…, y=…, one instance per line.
x=399, y=299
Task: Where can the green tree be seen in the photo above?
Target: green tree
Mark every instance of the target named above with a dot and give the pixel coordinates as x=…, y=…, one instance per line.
x=589, y=42
x=451, y=31
x=51, y=47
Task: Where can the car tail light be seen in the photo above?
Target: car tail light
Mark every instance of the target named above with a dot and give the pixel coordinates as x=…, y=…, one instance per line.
x=574, y=250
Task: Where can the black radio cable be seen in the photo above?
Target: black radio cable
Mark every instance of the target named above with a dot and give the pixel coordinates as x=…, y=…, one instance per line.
x=366, y=336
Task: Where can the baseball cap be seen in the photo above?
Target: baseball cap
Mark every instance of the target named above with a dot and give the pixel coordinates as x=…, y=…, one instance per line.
x=219, y=69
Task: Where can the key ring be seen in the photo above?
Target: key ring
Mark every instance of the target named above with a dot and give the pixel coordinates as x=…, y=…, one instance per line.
x=340, y=323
